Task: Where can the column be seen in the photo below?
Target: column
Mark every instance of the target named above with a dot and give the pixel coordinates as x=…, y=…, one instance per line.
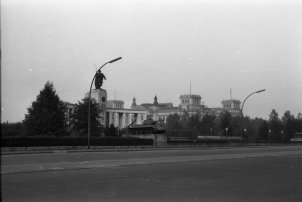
x=129, y=119
x=124, y=120
x=136, y=118
x=116, y=119
x=110, y=118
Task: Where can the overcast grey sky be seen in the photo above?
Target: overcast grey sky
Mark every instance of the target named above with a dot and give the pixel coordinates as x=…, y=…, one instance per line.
x=243, y=45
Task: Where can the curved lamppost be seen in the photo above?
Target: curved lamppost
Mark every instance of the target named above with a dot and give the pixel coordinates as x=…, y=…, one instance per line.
x=259, y=91
x=89, y=98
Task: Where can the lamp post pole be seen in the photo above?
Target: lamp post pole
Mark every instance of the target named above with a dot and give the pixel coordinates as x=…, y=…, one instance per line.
x=269, y=133
x=259, y=91
x=89, y=98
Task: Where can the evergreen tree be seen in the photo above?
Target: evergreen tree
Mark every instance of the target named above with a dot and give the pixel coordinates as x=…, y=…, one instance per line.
x=263, y=131
x=298, y=123
x=299, y=116
x=173, y=122
x=289, y=123
x=235, y=122
x=275, y=126
x=46, y=116
x=208, y=124
x=194, y=123
x=225, y=122
x=185, y=119
x=80, y=117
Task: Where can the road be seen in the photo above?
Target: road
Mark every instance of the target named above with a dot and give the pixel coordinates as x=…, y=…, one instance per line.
x=224, y=174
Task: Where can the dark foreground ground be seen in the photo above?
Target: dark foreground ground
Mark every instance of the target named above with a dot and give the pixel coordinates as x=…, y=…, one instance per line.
x=253, y=174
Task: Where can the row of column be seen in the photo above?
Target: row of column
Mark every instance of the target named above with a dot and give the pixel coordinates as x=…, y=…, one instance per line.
x=122, y=120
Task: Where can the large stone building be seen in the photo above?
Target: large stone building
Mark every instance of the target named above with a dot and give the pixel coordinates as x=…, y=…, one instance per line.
x=156, y=111
x=114, y=112
x=233, y=106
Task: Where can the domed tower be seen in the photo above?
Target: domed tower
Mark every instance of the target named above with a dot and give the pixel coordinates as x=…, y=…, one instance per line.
x=155, y=100
x=190, y=103
x=133, y=105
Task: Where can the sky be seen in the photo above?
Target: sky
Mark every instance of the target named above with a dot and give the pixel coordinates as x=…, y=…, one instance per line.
x=216, y=45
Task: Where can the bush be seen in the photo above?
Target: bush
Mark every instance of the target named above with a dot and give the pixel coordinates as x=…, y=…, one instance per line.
x=12, y=129
x=72, y=141
x=180, y=133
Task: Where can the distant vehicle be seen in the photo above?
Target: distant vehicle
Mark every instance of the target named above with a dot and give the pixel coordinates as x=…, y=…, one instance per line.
x=297, y=137
x=148, y=130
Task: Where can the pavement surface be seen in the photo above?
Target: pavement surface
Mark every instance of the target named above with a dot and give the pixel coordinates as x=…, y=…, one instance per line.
x=224, y=174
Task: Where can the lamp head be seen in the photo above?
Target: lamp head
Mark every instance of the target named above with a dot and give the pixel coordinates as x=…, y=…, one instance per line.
x=114, y=60
x=259, y=91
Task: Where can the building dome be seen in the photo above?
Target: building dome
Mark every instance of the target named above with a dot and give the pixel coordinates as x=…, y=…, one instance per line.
x=155, y=100
x=133, y=103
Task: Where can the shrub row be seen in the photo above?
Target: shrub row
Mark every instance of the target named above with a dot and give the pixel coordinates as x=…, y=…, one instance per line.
x=72, y=141
x=204, y=139
x=180, y=133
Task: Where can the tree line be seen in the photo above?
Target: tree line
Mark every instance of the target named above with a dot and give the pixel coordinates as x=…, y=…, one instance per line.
x=274, y=129
x=47, y=117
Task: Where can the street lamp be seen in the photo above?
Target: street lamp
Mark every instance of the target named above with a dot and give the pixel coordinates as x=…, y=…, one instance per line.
x=226, y=132
x=259, y=91
x=269, y=133
x=89, y=98
x=245, y=132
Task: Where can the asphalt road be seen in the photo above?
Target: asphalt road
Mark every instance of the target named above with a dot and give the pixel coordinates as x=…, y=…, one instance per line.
x=229, y=174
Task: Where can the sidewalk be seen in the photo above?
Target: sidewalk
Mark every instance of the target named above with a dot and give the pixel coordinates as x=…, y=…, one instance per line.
x=57, y=166
x=67, y=149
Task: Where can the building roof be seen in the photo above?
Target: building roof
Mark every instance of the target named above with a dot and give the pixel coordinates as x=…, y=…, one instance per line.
x=189, y=96
x=123, y=109
x=118, y=101
x=232, y=100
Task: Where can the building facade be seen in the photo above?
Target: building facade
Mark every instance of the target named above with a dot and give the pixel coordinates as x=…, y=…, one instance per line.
x=114, y=112
x=232, y=106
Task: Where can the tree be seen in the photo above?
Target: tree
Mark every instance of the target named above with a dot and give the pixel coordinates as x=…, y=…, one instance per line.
x=289, y=124
x=275, y=126
x=299, y=116
x=235, y=122
x=298, y=123
x=225, y=122
x=173, y=122
x=208, y=124
x=46, y=116
x=194, y=123
x=185, y=119
x=263, y=131
x=80, y=117
x=253, y=129
x=273, y=115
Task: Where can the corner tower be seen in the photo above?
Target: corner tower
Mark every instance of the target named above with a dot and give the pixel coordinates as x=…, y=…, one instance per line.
x=190, y=103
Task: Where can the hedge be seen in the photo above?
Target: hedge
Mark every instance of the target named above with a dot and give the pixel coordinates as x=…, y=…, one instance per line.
x=72, y=141
x=180, y=133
